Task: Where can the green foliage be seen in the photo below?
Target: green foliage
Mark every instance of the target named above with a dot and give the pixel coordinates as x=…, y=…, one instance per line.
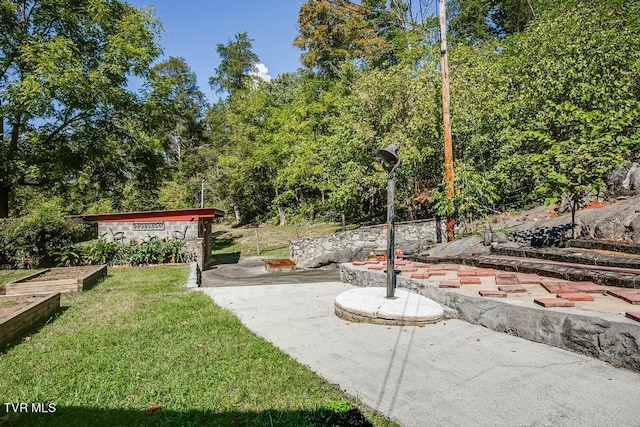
x=334, y=32
x=150, y=251
x=68, y=256
x=580, y=124
x=237, y=63
x=544, y=103
x=175, y=106
x=102, y=252
x=35, y=239
x=65, y=107
x=474, y=196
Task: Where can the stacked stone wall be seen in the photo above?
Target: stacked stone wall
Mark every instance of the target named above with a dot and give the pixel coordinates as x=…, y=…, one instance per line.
x=411, y=237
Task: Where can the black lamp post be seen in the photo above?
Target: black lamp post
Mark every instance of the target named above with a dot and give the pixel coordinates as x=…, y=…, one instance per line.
x=390, y=158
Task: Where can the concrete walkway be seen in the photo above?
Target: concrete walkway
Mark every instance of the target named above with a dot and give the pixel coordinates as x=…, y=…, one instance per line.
x=448, y=374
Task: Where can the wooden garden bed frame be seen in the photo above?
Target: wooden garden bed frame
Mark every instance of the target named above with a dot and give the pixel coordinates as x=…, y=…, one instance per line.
x=28, y=286
x=27, y=317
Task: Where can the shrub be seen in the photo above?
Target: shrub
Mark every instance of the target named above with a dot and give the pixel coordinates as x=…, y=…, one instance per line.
x=152, y=251
x=147, y=252
x=175, y=251
x=101, y=252
x=34, y=239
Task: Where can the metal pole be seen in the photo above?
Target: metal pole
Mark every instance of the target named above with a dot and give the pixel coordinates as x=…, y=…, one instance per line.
x=202, y=194
x=391, y=234
x=446, y=117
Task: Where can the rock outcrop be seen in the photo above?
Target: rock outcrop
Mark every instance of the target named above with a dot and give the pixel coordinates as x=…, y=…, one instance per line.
x=619, y=221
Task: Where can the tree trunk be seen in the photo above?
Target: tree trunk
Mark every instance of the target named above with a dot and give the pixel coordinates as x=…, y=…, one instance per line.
x=236, y=211
x=4, y=201
x=281, y=215
x=574, y=206
x=344, y=221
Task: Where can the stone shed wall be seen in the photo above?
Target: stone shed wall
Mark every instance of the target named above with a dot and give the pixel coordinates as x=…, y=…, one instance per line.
x=353, y=245
x=172, y=229
x=183, y=230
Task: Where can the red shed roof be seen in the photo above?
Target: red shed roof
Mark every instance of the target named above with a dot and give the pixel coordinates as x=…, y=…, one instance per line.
x=192, y=214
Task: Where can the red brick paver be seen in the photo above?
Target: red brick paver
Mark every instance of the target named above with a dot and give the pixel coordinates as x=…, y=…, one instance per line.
x=510, y=289
x=557, y=287
x=508, y=281
x=467, y=273
x=589, y=287
x=506, y=275
x=420, y=276
x=528, y=279
x=485, y=272
x=632, y=296
x=554, y=302
x=376, y=267
x=469, y=280
x=575, y=296
x=633, y=315
x=449, y=284
x=493, y=294
x=437, y=272
x=359, y=262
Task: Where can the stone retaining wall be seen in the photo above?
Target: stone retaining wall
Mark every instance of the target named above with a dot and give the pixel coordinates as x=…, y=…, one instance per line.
x=610, y=338
x=353, y=245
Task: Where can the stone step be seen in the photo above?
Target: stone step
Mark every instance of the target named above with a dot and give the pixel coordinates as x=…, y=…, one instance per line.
x=572, y=255
x=606, y=245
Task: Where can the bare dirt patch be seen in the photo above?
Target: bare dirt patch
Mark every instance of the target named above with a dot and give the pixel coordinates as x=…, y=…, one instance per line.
x=11, y=304
x=61, y=273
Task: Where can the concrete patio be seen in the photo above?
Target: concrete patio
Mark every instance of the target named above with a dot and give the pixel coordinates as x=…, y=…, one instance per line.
x=447, y=374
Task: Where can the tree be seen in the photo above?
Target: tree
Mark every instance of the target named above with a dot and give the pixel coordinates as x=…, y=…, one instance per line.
x=64, y=68
x=237, y=63
x=573, y=91
x=576, y=167
x=332, y=32
x=477, y=21
x=175, y=105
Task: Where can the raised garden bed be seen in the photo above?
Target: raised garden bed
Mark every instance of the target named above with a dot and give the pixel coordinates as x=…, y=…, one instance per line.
x=24, y=314
x=62, y=279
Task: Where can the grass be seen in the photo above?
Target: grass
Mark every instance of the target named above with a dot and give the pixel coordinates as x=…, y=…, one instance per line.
x=9, y=275
x=273, y=240
x=140, y=339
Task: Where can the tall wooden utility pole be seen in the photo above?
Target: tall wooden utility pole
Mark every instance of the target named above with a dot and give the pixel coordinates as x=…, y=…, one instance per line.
x=446, y=117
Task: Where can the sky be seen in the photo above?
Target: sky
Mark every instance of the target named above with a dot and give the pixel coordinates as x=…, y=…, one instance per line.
x=193, y=28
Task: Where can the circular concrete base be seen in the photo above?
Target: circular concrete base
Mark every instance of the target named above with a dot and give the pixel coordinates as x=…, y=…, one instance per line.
x=370, y=305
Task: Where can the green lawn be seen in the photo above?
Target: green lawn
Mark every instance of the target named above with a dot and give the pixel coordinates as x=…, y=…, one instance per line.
x=9, y=275
x=140, y=339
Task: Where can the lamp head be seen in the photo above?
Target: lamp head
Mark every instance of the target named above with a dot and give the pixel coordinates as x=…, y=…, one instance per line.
x=390, y=154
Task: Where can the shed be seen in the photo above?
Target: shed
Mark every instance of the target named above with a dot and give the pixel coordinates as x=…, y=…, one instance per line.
x=191, y=225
